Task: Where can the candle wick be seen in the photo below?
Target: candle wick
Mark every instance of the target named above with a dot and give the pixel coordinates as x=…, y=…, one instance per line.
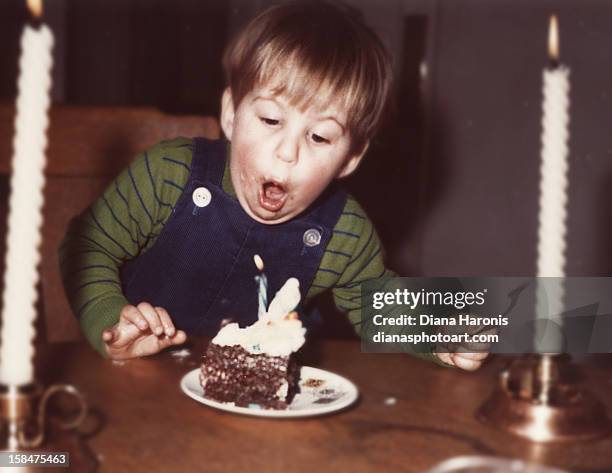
x=553, y=64
x=35, y=23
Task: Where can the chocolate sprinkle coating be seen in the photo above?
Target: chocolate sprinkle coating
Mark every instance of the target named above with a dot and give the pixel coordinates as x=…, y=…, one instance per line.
x=232, y=374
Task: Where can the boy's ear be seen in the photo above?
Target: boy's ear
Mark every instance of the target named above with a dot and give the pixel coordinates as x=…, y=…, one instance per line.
x=227, y=113
x=352, y=163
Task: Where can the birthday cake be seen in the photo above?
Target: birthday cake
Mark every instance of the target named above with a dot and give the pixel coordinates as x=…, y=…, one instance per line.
x=255, y=366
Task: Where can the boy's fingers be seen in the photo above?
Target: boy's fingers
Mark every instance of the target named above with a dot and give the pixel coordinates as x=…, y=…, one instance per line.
x=134, y=320
x=120, y=335
x=479, y=356
x=166, y=321
x=126, y=334
x=445, y=358
x=109, y=335
x=179, y=338
x=133, y=315
x=152, y=318
x=466, y=363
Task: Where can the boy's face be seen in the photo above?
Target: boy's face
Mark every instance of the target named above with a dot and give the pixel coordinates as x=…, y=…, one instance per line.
x=283, y=158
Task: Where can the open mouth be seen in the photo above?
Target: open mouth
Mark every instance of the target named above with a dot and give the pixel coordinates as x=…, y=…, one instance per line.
x=272, y=196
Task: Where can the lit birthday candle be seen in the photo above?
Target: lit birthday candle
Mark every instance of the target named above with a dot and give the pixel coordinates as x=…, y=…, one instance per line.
x=25, y=203
x=262, y=282
x=554, y=166
x=553, y=182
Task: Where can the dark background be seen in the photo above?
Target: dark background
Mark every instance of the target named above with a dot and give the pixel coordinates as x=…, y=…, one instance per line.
x=452, y=180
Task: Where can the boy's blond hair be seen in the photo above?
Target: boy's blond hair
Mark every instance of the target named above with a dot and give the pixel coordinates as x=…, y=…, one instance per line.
x=315, y=53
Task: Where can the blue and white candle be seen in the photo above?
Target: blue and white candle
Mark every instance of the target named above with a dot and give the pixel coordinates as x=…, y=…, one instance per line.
x=262, y=282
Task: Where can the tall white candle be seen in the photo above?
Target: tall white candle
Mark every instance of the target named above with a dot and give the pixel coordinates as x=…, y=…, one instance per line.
x=553, y=182
x=25, y=207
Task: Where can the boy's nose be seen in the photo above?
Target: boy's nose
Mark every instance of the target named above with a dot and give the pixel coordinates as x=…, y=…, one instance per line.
x=288, y=149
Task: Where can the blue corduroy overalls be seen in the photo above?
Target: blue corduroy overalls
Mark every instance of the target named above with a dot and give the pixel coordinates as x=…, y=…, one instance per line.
x=201, y=269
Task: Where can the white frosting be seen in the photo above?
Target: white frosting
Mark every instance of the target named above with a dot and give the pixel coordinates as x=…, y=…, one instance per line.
x=272, y=337
x=272, y=334
x=285, y=300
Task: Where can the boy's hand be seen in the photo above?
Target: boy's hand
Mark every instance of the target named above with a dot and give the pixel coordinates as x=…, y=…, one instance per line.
x=466, y=361
x=142, y=330
x=465, y=355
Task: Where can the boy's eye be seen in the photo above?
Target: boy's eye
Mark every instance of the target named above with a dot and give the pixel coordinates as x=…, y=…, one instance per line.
x=269, y=121
x=319, y=139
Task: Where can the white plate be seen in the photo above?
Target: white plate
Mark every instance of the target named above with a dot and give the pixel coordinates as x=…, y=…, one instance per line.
x=321, y=392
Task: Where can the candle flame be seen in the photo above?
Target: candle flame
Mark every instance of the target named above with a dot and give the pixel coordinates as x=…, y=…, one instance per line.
x=258, y=262
x=553, y=39
x=35, y=7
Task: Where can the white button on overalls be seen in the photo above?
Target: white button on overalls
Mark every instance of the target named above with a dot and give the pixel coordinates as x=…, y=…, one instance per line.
x=312, y=237
x=201, y=197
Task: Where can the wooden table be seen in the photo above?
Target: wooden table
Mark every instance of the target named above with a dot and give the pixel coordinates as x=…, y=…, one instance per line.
x=146, y=423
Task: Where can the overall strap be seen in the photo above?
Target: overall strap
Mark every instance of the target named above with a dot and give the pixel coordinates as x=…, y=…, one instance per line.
x=331, y=207
x=208, y=162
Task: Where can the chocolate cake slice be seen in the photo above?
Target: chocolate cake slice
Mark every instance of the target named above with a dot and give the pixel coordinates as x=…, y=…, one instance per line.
x=232, y=374
x=254, y=366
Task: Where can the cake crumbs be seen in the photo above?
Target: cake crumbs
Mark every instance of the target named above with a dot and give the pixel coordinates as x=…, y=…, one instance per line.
x=184, y=353
x=313, y=383
x=390, y=401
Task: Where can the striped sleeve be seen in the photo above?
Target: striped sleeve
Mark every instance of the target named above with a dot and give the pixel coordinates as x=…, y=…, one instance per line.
x=122, y=223
x=353, y=255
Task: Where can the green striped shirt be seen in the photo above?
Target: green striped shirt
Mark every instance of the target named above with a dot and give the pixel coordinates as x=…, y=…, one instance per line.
x=126, y=220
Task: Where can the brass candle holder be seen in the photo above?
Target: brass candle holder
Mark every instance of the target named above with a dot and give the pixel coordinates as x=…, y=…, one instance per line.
x=25, y=424
x=536, y=400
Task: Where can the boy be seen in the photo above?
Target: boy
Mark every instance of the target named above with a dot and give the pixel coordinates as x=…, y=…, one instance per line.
x=167, y=250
